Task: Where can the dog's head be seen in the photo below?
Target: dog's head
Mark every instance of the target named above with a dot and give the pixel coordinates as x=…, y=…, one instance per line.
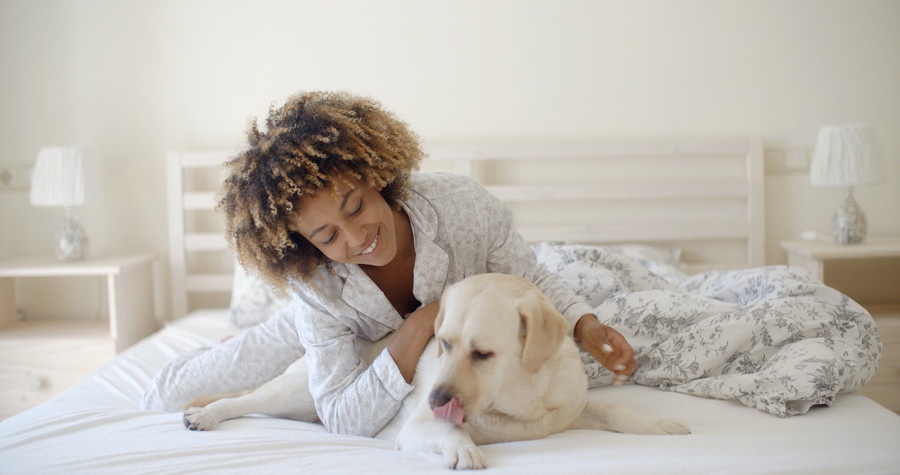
x=494, y=332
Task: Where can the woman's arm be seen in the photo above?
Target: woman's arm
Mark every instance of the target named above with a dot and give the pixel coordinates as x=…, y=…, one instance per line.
x=411, y=338
x=353, y=397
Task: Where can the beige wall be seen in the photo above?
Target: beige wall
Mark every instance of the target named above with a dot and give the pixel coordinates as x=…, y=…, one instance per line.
x=132, y=79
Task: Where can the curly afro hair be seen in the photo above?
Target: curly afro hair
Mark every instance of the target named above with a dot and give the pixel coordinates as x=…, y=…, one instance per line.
x=311, y=141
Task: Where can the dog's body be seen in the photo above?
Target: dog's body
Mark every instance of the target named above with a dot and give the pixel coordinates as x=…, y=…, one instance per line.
x=505, y=370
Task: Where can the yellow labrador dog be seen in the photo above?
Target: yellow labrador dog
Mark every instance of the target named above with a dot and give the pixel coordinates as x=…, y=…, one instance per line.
x=505, y=370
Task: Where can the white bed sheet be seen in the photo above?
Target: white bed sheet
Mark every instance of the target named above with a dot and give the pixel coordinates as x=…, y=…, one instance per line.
x=95, y=427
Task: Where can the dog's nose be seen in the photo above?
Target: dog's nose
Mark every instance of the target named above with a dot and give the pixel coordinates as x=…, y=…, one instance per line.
x=438, y=397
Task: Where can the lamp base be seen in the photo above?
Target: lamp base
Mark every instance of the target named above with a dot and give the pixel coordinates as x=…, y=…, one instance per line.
x=71, y=240
x=849, y=225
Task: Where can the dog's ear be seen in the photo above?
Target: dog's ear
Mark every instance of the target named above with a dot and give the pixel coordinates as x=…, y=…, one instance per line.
x=543, y=330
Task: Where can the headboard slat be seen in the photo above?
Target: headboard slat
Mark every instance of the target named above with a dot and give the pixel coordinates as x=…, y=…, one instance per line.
x=221, y=282
x=636, y=232
x=200, y=201
x=628, y=190
x=205, y=242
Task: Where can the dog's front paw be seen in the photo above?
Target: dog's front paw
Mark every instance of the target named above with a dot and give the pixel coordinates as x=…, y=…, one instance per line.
x=464, y=457
x=671, y=426
x=197, y=418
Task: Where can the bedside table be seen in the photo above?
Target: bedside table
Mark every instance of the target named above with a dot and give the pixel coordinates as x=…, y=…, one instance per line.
x=815, y=256
x=40, y=358
x=875, y=284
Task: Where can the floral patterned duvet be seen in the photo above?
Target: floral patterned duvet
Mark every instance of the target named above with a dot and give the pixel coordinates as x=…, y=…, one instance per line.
x=773, y=338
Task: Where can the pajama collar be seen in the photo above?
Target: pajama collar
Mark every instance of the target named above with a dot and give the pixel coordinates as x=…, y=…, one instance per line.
x=429, y=274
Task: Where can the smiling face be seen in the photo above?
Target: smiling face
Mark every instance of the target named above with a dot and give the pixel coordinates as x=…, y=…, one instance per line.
x=355, y=225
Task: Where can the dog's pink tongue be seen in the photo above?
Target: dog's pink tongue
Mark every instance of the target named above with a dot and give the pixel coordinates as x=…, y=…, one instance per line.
x=451, y=412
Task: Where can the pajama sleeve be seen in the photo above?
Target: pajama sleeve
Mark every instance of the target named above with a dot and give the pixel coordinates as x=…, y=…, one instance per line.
x=351, y=396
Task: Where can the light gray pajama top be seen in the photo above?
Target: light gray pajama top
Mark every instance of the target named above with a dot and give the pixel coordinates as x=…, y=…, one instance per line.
x=459, y=230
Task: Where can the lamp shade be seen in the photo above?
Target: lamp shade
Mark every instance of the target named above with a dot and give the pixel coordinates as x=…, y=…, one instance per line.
x=847, y=155
x=59, y=177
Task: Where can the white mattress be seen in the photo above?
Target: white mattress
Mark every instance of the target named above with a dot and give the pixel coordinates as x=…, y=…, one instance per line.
x=95, y=427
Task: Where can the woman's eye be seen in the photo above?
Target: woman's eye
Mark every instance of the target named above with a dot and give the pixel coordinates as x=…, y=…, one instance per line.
x=481, y=355
x=358, y=209
x=331, y=239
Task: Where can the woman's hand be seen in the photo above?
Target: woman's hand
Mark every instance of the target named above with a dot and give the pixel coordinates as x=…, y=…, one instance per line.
x=607, y=345
x=411, y=338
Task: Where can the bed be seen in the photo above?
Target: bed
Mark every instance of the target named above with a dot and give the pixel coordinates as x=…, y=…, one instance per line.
x=628, y=224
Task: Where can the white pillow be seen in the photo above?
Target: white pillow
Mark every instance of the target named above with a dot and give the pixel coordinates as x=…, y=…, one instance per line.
x=252, y=299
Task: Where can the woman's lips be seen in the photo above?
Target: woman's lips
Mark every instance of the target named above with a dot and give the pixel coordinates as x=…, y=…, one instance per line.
x=371, y=248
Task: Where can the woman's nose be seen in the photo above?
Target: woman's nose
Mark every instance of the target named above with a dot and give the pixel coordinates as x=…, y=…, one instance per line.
x=356, y=235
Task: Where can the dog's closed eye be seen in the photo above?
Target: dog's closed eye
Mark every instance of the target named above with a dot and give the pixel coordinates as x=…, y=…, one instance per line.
x=481, y=355
x=446, y=345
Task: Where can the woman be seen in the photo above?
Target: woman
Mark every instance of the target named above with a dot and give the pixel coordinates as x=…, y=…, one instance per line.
x=323, y=206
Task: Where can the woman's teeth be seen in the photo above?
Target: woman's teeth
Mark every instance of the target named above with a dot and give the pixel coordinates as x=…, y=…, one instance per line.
x=371, y=247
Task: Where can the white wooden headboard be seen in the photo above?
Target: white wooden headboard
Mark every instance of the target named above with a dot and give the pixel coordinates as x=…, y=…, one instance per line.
x=704, y=197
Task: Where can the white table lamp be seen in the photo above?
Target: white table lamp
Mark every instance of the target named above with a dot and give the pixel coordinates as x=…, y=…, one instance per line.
x=60, y=179
x=847, y=156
